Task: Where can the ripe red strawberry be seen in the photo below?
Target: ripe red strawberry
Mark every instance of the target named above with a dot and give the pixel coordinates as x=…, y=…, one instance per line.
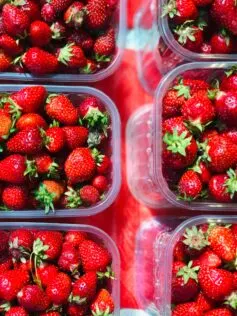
x=184, y=284
x=71, y=199
x=81, y=39
x=203, y=171
x=15, y=21
x=210, y=259
x=196, y=85
x=48, y=13
x=77, y=310
x=235, y=280
x=102, y=303
x=58, y=30
x=219, y=312
x=215, y=283
x=179, y=251
x=30, y=7
x=29, y=99
x=190, y=186
x=69, y=259
x=223, y=243
x=187, y=309
x=59, y=289
x=20, y=242
x=54, y=139
x=198, y=112
x=45, y=165
x=6, y=124
x=53, y=240
x=31, y=120
x=195, y=240
x=105, y=45
x=39, y=61
x=100, y=183
x=74, y=15
x=5, y=61
x=60, y=108
x=76, y=136
x=89, y=195
x=84, y=289
x=46, y=273
x=72, y=56
x=217, y=188
x=94, y=257
x=40, y=34
x=48, y=194
x=28, y=141
x=226, y=107
x=33, y=298
x=103, y=162
x=208, y=134
x=15, y=197
x=181, y=10
x=179, y=147
x=75, y=237
x=12, y=169
x=11, y=282
x=204, y=303
x=10, y=46
x=225, y=14
x=221, y=43
x=97, y=14
x=189, y=36
x=80, y=165
x=60, y=5
x=17, y=311
x=229, y=82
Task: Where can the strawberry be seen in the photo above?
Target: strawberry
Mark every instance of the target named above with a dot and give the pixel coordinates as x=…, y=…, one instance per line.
x=224, y=13
x=60, y=5
x=11, y=282
x=42, y=164
x=204, y=303
x=48, y=13
x=75, y=238
x=89, y=195
x=48, y=194
x=12, y=169
x=5, y=61
x=6, y=263
x=226, y=107
x=203, y=171
x=28, y=141
x=94, y=257
x=15, y=197
x=103, y=162
x=190, y=308
x=189, y=36
x=229, y=82
x=195, y=240
x=15, y=21
x=31, y=120
x=190, y=186
x=40, y=33
x=29, y=99
x=208, y=134
x=235, y=280
x=69, y=260
x=217, y=188
x=198, y=112
x=80, y=165
x=76, y=136
x=46, y=273
x=84, y=289
x=53, y=240
x=100, y=183
x=81, y=39
x=76, y=310
x=60, y=108
x=179, y=147
x=71, y=199
x=20, y=243
x=6, y=125
x=97, y=14
x=221, y=43
x=179, y=251
x=215, y=283
x=74, y=15
x=54, y=139
x=103, y=303
x=210, y=259
x=33, y=298
x=105, y=46
x=17, y=311
x=58, y=30
x=184, y=284
x=30, y=7
x=196, y=85
x=219, y=312
x=39, y=61
x=59, y=289
x=10, y=46
x=72, y=56
x=223, y=243
x=180, y=10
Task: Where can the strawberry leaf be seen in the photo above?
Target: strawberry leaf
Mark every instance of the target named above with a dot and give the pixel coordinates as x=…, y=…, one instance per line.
x=177, y=143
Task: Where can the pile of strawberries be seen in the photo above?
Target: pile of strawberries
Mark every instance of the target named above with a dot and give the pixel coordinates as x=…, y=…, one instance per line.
x=204, y=26
x=53, y=150
x=57, y=36
x=200, y=138
x=204, y=276
x=51, y=273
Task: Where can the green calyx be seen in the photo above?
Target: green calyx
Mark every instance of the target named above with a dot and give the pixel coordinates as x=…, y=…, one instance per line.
x=87, y=69
x=56, y=34
x=46, y=140
x=73, y=198
x=94, y=139
x=97, y=119
x=66, y=54
x=184, y=197
x=39, y=249
x=182, y=90
x=45, y=198
x=54, y=124
x=188, y=272
x=76, y=299
x=5, y=307
x=226, y=36
x=15, y=110
x=31, y=169
x=185, y=32
x=195, y=238
x=231, y=71
x=170, y=9
x=231, y=183
x=18, y=3
x=98, y=312
x=109, y=274
x=176, y=143
x=102, y=58
x=53, y=170
x=97, y=156
x=232, y=300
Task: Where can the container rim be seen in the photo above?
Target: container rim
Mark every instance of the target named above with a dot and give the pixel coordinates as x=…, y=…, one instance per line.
x=157, y=138
x=111, y=195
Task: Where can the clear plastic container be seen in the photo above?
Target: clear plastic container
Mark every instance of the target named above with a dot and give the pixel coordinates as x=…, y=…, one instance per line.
x=139, y=159
x=120, y=22
x=163, y=248
x=115, y=144
x=96, y=234
x=202, y=70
